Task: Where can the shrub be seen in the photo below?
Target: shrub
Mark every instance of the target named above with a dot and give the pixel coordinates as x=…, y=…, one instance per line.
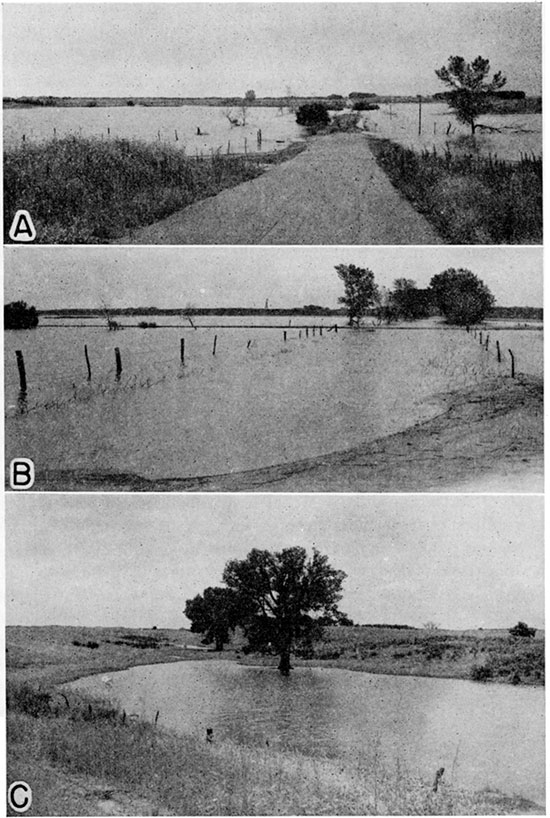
x=313, y=115
x=18, y=315
x=481, y=673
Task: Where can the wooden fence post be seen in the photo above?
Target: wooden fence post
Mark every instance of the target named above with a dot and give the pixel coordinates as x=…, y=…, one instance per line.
x=21, y=368
x=182, y=351
x=513, y=363
x=486, y=343
x=214, y=345
x=88, y=362
x=284, y=335
x=498, y=352
x=118, y=363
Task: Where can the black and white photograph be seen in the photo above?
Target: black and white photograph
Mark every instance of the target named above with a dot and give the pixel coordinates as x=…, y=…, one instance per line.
x=275, y=369
x=269, y=655
x=273, y=123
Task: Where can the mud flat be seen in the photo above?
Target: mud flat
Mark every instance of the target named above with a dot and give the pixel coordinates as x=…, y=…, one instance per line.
x=487, y=438
x=332, y=193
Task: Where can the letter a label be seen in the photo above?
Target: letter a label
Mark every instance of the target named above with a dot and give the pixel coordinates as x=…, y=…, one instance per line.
x=22, y=227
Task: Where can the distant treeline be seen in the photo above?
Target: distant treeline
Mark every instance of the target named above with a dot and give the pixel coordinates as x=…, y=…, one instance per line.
x=525, y=313
x=531, y=104
x=308, y=309
x=532, y=313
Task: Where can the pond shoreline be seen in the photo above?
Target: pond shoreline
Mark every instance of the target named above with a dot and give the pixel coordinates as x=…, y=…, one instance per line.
x=70, y=754
x=485, y=438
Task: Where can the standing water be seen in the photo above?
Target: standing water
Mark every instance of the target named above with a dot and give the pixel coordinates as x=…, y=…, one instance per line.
x=484, y=735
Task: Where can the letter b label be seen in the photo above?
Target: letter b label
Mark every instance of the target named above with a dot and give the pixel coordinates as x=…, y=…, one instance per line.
x=21, y=473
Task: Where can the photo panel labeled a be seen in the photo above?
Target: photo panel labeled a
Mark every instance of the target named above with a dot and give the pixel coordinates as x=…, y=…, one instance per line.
x=303, y=123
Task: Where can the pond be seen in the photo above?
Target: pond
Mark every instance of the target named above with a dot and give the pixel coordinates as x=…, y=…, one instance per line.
x=484, y=735
x=258, y=401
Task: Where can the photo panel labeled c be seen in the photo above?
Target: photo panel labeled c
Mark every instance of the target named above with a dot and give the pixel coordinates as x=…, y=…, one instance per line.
x=274, y=369
x=303, y=123
x=266, y=654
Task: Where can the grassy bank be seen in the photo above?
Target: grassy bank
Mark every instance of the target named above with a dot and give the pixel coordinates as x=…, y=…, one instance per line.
x=468, y=199
x=84, y=757
x=83, y=190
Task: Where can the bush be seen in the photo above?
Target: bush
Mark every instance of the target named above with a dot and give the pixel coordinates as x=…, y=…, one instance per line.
x=18, y=315
x=481, y=673
x=313, y=115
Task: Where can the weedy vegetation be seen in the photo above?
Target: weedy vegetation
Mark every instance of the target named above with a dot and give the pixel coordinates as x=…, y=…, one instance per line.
x=469, y=199
x=84, y=190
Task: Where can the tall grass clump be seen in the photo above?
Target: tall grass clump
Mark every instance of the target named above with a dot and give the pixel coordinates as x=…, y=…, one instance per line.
x=469, y=199
x=84, y=190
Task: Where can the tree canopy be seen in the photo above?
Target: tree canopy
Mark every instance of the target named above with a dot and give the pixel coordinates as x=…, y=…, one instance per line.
x=461, y=296
x=360, y=290
x=214, y=613
x=470, y=93
x=281, y=595
x=407, y=301
x=522, y=630
x=18, y=315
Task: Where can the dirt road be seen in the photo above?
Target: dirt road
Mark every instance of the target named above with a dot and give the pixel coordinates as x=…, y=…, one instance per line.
x=331, y=193
x=489, y=438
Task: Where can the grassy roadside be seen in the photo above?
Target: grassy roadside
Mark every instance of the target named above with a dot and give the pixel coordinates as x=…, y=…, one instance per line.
x=83, y=757
x=468, y=199
x=84, y=190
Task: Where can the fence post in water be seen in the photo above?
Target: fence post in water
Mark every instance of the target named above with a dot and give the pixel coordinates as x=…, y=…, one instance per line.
x=182, y=351
x=313, y=331
x=176, y=133
x=228, y=147
x=419, y=114
x=336, y=329
x=21, y=368
x=118, y=363
x=498, y=352
x=307, y=332
x=214, y=346
x=320, y=330
x=480, y=337
x=299, y=333
x=88, y=362
x=513, y=363
x=284, y=335
x=248, y=344
x=245, y=146
x=487, y=343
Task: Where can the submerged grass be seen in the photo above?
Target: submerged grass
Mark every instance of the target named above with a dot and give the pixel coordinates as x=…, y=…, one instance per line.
x=85, y=190
x=469, y=199
x=86, y=758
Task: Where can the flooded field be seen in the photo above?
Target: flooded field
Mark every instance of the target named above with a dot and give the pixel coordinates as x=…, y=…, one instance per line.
x=483, y=735
x=176, y=126
x=519, y=133
x=259, y=400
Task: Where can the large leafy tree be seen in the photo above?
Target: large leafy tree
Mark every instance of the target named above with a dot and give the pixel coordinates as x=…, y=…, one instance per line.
x=361, y=292
x=408, y=301
x=470, y=93
x=282, y=595
x=214, y=613
x=461, y=296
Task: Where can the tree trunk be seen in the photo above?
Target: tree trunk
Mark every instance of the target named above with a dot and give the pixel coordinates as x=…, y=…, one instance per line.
x=284, y=661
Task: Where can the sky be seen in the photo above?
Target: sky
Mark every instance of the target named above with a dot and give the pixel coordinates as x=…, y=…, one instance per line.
x=123, y=560
x=202, y=49
x=177, y=277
